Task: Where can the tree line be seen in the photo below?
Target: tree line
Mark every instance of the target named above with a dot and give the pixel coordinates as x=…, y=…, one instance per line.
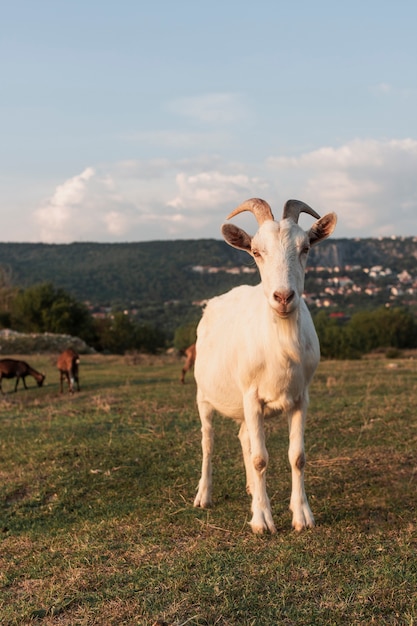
x=389, y=329
x=45, y=308
x=139, y=274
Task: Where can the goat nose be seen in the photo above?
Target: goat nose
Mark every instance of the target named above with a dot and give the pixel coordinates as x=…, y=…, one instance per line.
x=284, y=297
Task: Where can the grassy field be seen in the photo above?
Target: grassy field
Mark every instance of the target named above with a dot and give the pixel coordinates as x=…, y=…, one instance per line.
x=97, y=523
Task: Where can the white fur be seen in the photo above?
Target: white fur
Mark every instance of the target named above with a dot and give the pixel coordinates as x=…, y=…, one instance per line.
x=255, y=359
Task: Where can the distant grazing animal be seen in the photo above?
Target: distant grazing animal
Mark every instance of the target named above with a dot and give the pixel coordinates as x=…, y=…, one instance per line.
x=257, y=351
x=189, y=360
x=67, y=364
x=12, y=368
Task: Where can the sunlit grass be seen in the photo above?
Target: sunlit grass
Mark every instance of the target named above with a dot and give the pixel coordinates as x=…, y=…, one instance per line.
x=98, y=527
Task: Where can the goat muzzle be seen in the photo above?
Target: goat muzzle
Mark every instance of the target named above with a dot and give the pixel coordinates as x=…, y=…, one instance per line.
x=284, y=301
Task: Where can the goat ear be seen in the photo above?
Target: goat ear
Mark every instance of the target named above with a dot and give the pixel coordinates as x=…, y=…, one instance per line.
x=236, y=237
x=322, y=228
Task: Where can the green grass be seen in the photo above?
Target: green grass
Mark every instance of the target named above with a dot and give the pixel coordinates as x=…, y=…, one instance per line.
x=97, y=524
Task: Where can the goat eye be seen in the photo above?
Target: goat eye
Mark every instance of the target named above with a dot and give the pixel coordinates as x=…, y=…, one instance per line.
x=256, y=253
x=305, y=249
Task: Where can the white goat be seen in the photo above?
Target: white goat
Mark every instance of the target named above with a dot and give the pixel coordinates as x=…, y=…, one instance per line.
x=257, y=350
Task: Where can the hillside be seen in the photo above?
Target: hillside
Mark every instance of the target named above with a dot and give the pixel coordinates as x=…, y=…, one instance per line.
x=160, y=280
x=105, y=274
x=399, y=253
x=160, y=271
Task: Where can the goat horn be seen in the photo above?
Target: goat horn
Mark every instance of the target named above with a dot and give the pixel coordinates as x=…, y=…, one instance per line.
x=260, y=209
x=293, y=208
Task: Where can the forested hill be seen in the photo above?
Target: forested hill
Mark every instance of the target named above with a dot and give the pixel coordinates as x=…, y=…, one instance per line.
x=102, y=273
x=161, y=271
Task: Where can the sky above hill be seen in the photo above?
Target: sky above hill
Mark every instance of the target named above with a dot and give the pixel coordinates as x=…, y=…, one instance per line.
x=135, y=121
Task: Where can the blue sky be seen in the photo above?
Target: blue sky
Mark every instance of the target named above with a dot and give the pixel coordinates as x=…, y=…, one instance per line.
x=134, y=121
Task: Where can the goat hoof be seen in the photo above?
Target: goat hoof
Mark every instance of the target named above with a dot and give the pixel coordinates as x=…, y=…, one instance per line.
x=262, y=524
x=259, y=530
x=202, y=504
x=299, y=526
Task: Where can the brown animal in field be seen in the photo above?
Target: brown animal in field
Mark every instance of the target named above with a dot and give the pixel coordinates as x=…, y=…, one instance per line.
x=67, y=364
x=12, y=368
x=189, y=362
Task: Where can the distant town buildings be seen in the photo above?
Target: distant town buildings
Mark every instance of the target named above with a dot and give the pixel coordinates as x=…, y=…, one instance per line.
x=336, y=288
x=209, y=269
x=333, y=285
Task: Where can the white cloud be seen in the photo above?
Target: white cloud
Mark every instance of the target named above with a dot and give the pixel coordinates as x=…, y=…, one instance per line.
x=116, y=223
x=59, y=215
x=89, y=206
x=370, y=184
x=208, y=190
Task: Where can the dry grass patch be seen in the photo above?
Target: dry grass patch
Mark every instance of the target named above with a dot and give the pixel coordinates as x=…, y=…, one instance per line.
x=98, y=525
